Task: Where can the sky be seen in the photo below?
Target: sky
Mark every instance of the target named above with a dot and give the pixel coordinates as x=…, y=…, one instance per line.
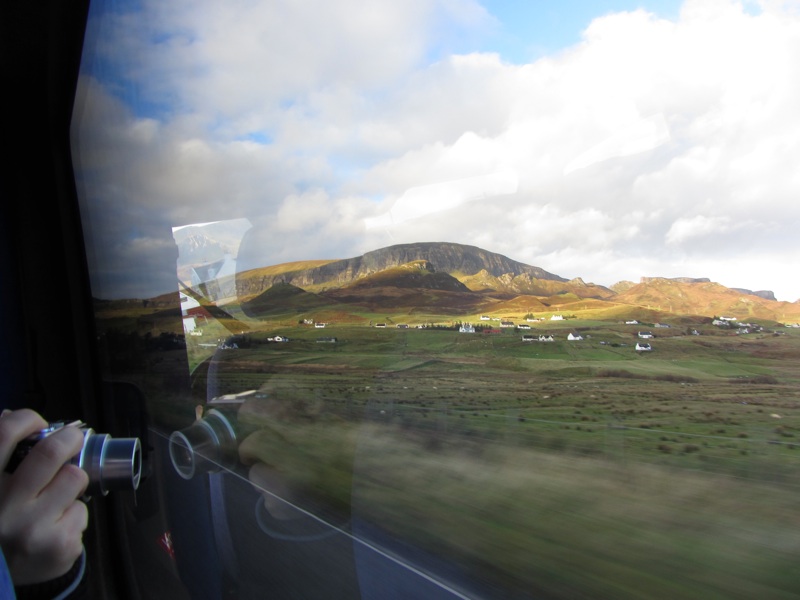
x=607, y=140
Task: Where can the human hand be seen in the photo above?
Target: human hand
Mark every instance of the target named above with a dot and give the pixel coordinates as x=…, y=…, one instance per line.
x=41, y=519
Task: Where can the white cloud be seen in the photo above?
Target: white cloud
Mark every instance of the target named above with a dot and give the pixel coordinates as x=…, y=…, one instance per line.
x=699, y=226
x=650, y=145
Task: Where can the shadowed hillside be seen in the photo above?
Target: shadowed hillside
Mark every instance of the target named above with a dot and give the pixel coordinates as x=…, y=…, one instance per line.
x=280, y=298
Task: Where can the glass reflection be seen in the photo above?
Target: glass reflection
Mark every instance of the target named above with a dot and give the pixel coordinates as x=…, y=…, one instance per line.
x=437, y=415
x=487, y=464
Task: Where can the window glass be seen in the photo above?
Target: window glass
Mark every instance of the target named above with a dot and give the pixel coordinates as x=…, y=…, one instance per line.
x=450, y=299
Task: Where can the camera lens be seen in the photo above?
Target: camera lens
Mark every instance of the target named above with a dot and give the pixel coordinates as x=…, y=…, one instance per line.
x=112, y=464
x=207, y=445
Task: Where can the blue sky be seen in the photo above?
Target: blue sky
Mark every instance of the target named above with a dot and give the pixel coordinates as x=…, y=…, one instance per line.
x=530, y=29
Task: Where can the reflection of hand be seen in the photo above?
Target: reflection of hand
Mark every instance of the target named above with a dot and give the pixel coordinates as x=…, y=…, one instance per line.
x=41, y=519
x=275, y=490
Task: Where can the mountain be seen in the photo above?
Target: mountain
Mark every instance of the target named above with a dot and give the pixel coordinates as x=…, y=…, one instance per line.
x=766, y=294
x=703, y=297
x=196, y=247
x=418, y=274
x=458, y=279
x=513, y=285
x=282, y=298
x=414, y=286
x=459, y=260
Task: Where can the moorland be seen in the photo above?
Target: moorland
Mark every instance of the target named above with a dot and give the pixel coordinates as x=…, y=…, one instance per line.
x=573, y=468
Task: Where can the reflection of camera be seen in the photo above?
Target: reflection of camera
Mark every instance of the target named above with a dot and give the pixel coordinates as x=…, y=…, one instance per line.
x=207, y=445
x=112, y=464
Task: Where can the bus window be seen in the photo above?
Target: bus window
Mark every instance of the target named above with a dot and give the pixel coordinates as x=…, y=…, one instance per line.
x=460, y=299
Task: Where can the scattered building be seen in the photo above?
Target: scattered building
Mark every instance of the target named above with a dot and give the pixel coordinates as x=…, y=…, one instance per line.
x=506, y=323
x=528, y=338
x=645, y=335
x=557, y=318
x=466, y=328
x=573, y=337
x=189, y=325
x=546, y=338
x=643, y=347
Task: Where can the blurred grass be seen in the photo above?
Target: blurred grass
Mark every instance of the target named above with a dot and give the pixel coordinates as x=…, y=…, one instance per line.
x=527, y=463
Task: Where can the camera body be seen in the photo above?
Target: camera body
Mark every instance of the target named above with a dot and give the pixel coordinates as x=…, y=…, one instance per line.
x=112, y=464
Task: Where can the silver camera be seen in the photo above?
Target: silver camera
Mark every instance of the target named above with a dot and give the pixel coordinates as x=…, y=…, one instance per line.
x=112, y=464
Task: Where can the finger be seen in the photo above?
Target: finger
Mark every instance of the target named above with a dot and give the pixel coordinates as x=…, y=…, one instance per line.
x=74, y=521
x=55, y=545
x=43, y=461
x=69, y=544
x=15, y=426
x=68, y=484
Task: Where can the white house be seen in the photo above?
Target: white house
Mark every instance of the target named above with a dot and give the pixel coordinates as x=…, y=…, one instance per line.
x=528, y=338
x=557, y=318
x=486, y=318
x=634, y=322
x=643, y=347
x=645, y=335
x=574, y=337
x=546, y=338
x=523, y=326
x=320, y=325
x=466, y=328
x=506, y=323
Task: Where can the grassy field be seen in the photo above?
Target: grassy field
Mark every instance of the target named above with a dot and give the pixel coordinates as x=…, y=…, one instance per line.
x=566, y=469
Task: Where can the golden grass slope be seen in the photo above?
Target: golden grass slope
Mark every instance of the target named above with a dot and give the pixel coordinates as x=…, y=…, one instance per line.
x=708, y=299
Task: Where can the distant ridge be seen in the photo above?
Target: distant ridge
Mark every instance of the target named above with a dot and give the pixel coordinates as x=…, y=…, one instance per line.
x=765, y=294
x=676, y=296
